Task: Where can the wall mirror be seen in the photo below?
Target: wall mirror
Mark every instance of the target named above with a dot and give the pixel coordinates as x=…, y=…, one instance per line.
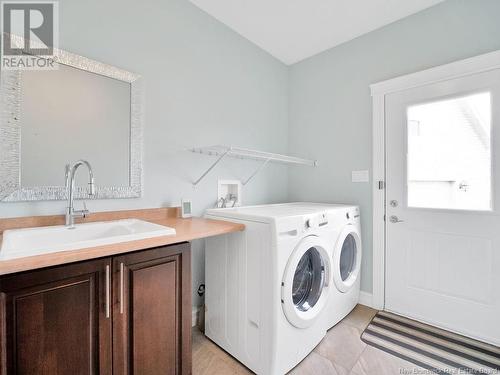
x=84, y=109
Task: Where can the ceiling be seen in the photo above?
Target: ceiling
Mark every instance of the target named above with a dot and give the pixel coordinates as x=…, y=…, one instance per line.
x=292, y=30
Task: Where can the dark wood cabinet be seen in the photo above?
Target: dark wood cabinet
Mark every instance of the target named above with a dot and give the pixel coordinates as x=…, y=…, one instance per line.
x=151, y=325
x=54, y=321
x=123, y=315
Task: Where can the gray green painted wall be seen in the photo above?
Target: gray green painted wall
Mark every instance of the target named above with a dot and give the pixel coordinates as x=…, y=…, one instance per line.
x=330, y=103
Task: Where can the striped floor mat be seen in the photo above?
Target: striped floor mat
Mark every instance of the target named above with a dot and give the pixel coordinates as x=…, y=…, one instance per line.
x=432, y=348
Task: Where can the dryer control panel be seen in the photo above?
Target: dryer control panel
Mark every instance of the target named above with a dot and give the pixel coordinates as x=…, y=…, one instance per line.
x=352, y=215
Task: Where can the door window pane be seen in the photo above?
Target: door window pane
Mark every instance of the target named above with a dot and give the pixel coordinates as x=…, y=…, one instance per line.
x=449, y=155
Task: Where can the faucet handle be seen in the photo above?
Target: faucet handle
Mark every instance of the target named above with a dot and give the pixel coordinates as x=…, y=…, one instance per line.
x=82, y=213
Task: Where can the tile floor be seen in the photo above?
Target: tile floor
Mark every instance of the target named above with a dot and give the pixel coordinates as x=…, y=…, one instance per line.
x=340, y=353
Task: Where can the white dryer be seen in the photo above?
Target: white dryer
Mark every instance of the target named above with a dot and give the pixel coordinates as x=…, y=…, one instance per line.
x=268, y=287
x=346, y=264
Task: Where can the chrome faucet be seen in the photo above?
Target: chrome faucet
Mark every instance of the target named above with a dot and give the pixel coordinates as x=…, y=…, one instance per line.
x=71, y=213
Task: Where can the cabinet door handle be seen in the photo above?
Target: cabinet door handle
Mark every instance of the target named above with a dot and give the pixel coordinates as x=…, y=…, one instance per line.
x=108, y=291
x=122, y=282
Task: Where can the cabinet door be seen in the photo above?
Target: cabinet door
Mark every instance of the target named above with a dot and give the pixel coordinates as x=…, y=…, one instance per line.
x=57, y=321
x=152, y=312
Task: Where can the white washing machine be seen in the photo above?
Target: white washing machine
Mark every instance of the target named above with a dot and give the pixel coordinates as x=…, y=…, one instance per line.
x=268, y=287
x=345, y=257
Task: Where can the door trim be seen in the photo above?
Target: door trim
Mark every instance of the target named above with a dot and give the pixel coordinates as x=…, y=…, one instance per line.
x=462, y=68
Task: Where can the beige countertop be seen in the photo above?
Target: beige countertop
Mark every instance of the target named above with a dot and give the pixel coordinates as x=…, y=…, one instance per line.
x=186, y=230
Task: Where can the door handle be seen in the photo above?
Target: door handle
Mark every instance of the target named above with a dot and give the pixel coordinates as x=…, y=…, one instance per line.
x=108, y=291
x=394, y=219
x=122, y=282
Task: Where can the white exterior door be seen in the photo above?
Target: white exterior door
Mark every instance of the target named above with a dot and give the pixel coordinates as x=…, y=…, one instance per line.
x=443, y=204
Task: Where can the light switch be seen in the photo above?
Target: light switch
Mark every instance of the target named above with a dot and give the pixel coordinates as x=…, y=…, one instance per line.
x=360, y=176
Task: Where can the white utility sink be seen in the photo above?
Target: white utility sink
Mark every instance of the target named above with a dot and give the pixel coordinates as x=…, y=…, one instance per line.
x=42, y=240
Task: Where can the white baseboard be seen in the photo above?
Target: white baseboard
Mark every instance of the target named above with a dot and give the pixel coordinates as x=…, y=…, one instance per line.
x=194, y=316
x=366, y=299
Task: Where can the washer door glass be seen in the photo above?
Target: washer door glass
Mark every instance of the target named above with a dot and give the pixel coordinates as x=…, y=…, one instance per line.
x=348, y=257
x=309, y=280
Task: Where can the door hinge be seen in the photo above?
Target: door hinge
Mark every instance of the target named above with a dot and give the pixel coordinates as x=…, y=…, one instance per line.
x=381, y=185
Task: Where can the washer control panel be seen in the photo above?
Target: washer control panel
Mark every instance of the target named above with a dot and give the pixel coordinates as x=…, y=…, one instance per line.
x=316, y=221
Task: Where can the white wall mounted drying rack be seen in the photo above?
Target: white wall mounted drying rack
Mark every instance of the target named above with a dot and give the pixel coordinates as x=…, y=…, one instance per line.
x=242, y=153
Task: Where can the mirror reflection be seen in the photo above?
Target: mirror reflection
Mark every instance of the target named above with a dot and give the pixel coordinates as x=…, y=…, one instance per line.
x=70, y=114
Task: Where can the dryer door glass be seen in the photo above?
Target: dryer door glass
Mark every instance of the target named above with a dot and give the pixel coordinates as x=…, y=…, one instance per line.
x=348, y=257
x=309, y=280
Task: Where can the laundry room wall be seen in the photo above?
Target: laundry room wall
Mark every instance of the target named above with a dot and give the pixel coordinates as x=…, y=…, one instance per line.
x=203, y=85
x=330, y=103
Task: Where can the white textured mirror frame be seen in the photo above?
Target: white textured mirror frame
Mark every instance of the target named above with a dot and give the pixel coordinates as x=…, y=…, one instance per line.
x=10, y=134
